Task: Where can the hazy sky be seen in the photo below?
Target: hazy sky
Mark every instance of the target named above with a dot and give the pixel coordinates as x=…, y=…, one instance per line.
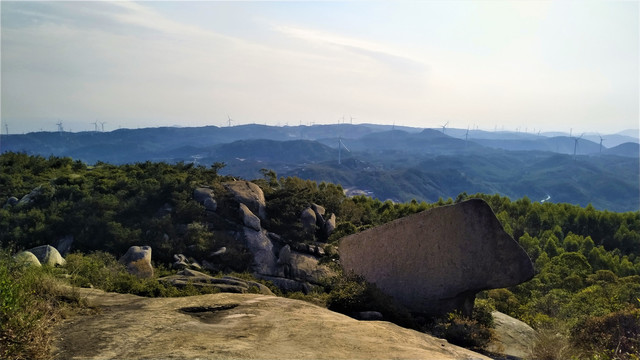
x=510, y=64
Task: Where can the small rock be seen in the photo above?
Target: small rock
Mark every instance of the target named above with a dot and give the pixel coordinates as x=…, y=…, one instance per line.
x=318, y=209
x=12, y=201
x=138, y=261
x=249, y=219
x=330, y=225
x=368, y=316
x=210, y=205
x=308, y=219
x=220, y=251
x=26, y=258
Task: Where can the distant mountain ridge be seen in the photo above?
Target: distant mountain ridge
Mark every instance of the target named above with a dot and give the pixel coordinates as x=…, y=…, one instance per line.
x=387, y=162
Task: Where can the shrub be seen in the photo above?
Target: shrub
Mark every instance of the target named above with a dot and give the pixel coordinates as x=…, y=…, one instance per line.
x=615, y=335
x=551, y=343
x=350, y=293
x=30, y=300
x=473, y=332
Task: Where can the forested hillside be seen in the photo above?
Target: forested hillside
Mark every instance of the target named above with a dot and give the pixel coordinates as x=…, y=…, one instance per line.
x=587, y=283
x=384, y=162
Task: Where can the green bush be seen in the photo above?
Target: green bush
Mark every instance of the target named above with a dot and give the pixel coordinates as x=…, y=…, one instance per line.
x=612, y=336
x=473, y=332
x=349, y=294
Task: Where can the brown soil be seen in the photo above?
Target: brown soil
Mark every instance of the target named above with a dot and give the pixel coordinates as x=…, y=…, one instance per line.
x=234, y=326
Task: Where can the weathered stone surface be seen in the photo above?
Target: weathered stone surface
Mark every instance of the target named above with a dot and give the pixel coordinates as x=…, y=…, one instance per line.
x=48, y=255
x=250, y=194
x=26, y=258
x=284, y=257
x=138, y=261
x=330, y=225
x=308, y=219
x=248, y=218
x=436, y=261
x=12, y=201
x=225, y=284
x=306, y=268
x=512, y=337
x=264, y=260
x=63, y=245
x=233, y=326
x=210, y=205
x=30, y=196
x=205, y=196
x=318, y=209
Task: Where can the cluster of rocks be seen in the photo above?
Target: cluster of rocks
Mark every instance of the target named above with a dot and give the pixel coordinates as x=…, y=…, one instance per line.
x=229, y=284
x=291, y=266
x=26, y=199
x=313, y=218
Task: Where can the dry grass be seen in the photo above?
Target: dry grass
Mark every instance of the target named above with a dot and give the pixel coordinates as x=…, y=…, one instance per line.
x=31, y=301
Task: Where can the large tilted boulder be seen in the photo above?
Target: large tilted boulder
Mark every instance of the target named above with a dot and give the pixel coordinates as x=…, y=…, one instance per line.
x=48, y=255
x=138, y=261
x=250, y=194
x=259, y=244
x=436, y=261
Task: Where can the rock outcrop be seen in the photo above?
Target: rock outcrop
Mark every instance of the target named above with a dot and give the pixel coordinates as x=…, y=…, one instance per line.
x=225, y=284
x=250, y=194
x=205, y=196
x=513, y=337
x=48, y=255
x=436, y=261
x=138, y=261
x=234, y=326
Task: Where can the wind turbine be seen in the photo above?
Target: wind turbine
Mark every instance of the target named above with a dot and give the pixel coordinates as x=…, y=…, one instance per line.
x=6, y=128
x=229, y=120
x=340, y=146
x=601, y=140
x=444, y=126
x=95, y=126
x=351, y=119
x=102, y=125
x=575, y=146
x=60, y=128
x=466, y=137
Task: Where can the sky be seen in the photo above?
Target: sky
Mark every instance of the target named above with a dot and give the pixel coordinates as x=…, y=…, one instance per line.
x=512, y=65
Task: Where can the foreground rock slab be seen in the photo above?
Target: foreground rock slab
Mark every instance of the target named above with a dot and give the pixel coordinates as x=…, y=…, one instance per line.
x=436, y=261
x=234, y=326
